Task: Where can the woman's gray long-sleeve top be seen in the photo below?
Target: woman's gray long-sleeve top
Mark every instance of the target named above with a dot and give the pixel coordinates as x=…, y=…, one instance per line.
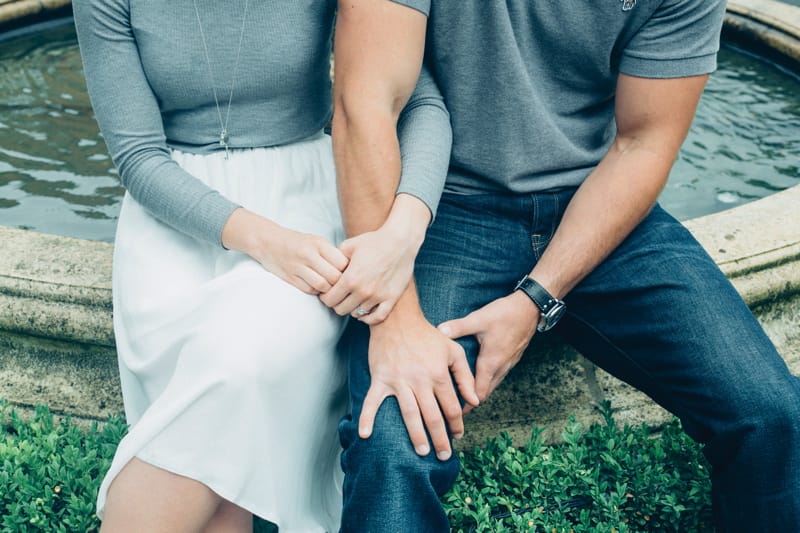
x=151, y=91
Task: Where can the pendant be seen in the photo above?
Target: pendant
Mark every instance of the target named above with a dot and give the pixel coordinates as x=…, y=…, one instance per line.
x=223, y=140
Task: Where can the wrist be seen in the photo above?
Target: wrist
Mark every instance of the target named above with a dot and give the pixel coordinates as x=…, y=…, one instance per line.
x=525, y=308
x=405, y=313
x=551, y=283
x=551, y=309
x=399, y=322
x=408, y=220
x=247, y=232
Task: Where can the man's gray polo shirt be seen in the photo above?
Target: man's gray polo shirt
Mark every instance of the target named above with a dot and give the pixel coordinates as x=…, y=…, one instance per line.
x=530, y=84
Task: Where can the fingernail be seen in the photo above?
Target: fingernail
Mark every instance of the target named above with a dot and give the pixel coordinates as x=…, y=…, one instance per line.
x=458, y=435
x=443, y=455
x=445, y=330
x=363, y=433
x=423, y=449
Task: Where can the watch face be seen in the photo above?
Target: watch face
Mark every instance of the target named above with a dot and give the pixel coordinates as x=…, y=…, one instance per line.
x=557, y=313
x=553, y=316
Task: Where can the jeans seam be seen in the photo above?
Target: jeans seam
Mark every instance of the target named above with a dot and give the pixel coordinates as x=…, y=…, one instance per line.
x=555, y=219
x=534, y=225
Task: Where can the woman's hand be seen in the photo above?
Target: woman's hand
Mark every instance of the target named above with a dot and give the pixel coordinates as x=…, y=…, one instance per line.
x=309, y=262
x=381, y=263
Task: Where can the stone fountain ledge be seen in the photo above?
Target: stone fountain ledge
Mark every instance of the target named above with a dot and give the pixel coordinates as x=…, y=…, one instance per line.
x=56, y=336
x=769, y=26
x=57, y=341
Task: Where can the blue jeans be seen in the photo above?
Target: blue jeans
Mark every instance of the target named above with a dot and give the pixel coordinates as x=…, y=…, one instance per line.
x=657, y=313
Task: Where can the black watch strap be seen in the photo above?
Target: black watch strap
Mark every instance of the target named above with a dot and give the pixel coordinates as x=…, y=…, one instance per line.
x=552, y=309
x=543, y=299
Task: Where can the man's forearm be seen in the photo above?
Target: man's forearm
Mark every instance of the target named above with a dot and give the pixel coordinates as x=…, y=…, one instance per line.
x=378, y=51
x=605, y=209
x=368, y=168
x=379, y=48
x=367, y=203
x=653, y=117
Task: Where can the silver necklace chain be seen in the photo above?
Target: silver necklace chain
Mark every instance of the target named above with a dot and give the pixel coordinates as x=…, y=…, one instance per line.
x=223, y=125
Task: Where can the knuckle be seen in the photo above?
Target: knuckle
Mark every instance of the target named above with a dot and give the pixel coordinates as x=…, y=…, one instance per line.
x=408, y=411
x=406, y=406
x=441, y=379
x=441, y=443
x=346, y=282
x=456, y=350
x=452, y=411
x=437, y=429
x=360, y=292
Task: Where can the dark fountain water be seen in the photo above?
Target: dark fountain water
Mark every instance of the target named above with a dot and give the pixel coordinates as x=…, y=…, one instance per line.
x=56, y=176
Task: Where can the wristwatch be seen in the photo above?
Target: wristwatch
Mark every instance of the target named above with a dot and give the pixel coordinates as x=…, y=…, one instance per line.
x=552, y=309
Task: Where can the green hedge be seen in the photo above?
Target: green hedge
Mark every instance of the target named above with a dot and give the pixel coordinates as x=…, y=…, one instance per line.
x=600, y=480
x=50, y=472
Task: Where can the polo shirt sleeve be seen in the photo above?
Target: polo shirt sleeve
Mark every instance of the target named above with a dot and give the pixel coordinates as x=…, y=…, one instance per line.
x=423, y=6
x=680, y=39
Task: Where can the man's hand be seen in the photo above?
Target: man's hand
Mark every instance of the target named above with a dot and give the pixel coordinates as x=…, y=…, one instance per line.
x=414, y=362
x=381, y=263
x=504, y=328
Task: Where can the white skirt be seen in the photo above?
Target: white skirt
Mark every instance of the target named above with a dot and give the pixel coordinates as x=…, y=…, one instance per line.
x=230, y=375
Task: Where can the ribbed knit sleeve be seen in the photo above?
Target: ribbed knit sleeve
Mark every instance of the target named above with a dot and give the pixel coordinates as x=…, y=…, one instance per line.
x=129, y=118
x=426, y=138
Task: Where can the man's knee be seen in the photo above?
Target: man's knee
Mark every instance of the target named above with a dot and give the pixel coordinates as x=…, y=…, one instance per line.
x=780, y=416
x=768, y=418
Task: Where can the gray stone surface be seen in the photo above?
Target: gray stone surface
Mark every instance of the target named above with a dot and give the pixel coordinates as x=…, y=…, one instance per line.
x=55, y=287
x=777, y=15
x=767, y=26
x=72, y=379
x=757, y=245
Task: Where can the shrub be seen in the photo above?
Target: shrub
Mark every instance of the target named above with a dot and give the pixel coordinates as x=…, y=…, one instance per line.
x=600, y=480
x=50, y=472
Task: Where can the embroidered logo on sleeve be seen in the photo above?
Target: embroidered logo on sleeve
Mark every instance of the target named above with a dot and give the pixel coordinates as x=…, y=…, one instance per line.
x=627, y=5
